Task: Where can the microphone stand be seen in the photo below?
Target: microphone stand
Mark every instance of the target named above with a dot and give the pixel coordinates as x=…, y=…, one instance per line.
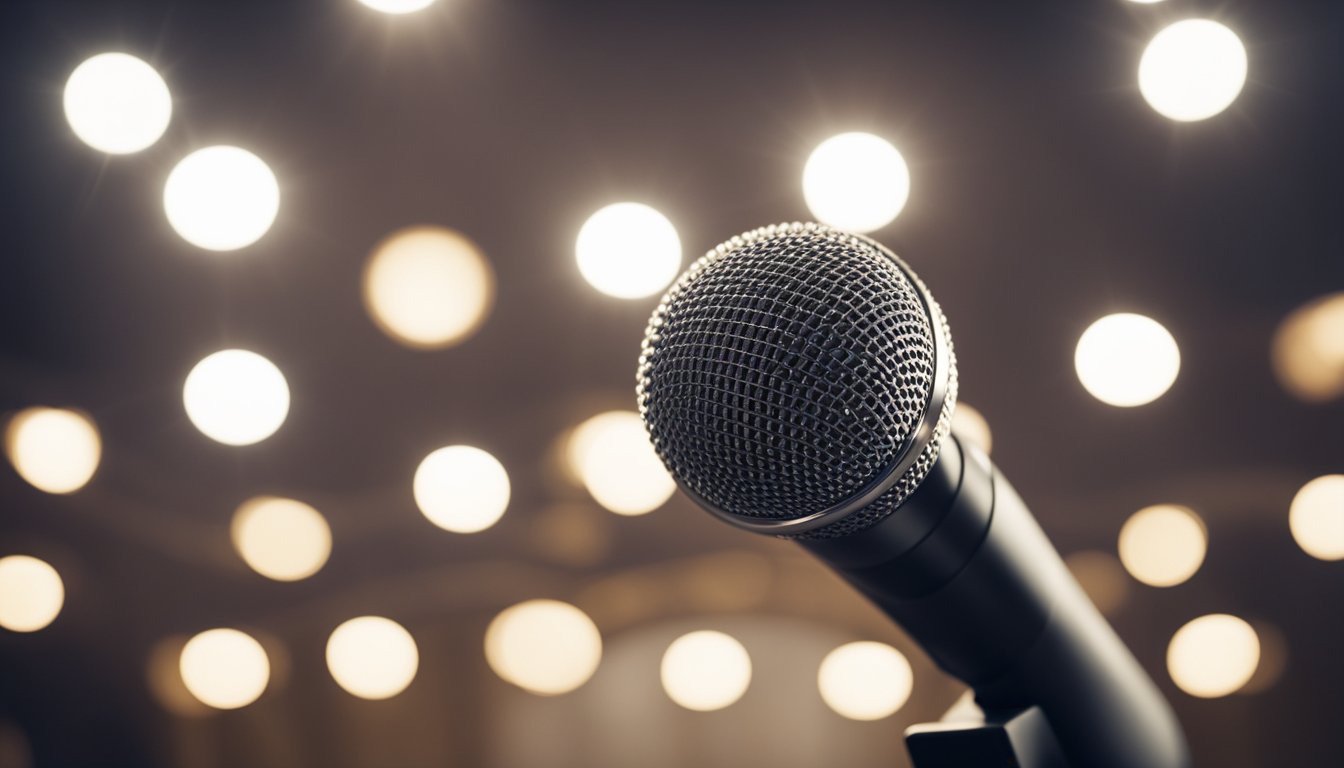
x=969, y=737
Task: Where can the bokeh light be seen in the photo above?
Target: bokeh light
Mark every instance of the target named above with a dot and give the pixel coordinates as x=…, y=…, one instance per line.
x=969, y=423
x=1316, y=518
x=1213, y=655
x=236, y=397
x=1102, y=577
x=613, y=457
x=706, y=670
x=397, y=7
x=117, y=103
x=372, y=657
x=628, y=250
x=55, y=450
x=461, y=489
x=1163, y=545
x=1127, y=360
x=221, y=198
x=1192, y=70
x=543, y=646
x=31, y=593
x=857, y=182
x=1308, y=350
x=428, y=287
x=224, y=668
x=865, y=680
x=281, y=539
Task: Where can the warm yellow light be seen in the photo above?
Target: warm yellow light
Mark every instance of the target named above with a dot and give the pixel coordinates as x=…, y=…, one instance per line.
x=428, y=287
x=1127, y=360
x=281, y=539
x=117, y=103
x=1316, y=518
x=1163, y=545
x=969, y=423
x=1192, y=70
x=397, y=7
x=55, y=450
x=1309, y=350
x=628, y=250
x=706, y=670
x=1213, y=655
x=221, y=198
x=31, y=593
x=224, y=668
x=543, y=646
x=865, y=681
x=372, y=657
x=461, y=489
x=1102, y=577
x=612, y=455
x=857, y=182
x=236, y=397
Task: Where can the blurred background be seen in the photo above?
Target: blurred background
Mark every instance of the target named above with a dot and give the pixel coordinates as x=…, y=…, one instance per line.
x=320, y=324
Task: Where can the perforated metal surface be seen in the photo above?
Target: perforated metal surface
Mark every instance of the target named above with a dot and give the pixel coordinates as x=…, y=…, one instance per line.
x=788, y=370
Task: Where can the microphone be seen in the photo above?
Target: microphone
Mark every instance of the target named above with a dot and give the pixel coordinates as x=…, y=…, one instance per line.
x=799, y=381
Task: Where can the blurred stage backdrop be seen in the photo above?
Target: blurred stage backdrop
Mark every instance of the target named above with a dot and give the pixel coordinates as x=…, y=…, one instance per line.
x=320, y=323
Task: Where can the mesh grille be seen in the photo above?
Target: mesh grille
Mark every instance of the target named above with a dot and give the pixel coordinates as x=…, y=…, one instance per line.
x=786, y=370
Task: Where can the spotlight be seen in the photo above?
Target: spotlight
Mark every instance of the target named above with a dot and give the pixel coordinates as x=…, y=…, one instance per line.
x=117, y=103
x=1192, y=70
x=628, y=250
x=1127, y=360
x=236, y=397
x=856, y=182
x=221, y=198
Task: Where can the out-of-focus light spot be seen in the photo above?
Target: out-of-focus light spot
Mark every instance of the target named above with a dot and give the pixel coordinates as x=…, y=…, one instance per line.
x=571, y=534
x=224, y=668
x=428, y=287
x=397, y=7
x=372, y=657
x=281, y=539
x=1213, y=655
x=1192, y=70
x=865, y=681
x=1127, y=360
x=461, y=489
x=857, y=182
x=969, y=423
x=612, y=455
x=221, y=198
x=1102, y=577
x=1163, y=545
x=31, y=593
x=1308, y=350
x=543, y=646
x=236, y=397
x=1316, y=518
x=164, y=676
x=1145, y=2
x=628, y=250
x=706, y=670
x=1273, y=658
x=55, y=450
x=117, y=103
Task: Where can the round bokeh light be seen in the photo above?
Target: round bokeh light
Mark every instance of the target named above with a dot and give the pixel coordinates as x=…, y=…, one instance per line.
x=1192, y=70
x=613, y=457
x=865, y=680
x=372, y=657
x=236, y=397
x=1127, y=360
x=224, y=668
x=116, y=103
x=706, y=670
x=281, y=539
x=628, y=250
x=221, y=198
x=461, y=489
x=543, y=646
x=55, y=450
x=31, y=593
x=857, y=182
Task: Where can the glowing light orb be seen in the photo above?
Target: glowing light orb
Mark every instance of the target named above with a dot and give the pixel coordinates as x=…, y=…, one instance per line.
x=224, y=668
x=31, y=593
x=236, y=397
x=857, y=182
x=397, y=7
x=55, y=450
x=1127, y=360
x=117, y=103
x=1163, y=545
x=1316, y=518
x=612, y=455
x=372, y=657
x=1308, y=350
x=1192, y=70
x=221, y=198
x=628, y=250
x=281, y=539
x=1213, y=655
x=461, y=489
x=543, y=646
x=865, y=680
x=428, y=287
x=706, y=670
x=969, y=423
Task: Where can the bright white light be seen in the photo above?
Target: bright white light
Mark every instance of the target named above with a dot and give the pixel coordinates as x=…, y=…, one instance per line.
x=1192, y=70
x=31, y=593
x=397, y=7
x=628, y=250
x=281, y=539
x=857, y=182
x=1145, y=2
x=544, y=646
x=236, y=397
x=865, y=681
x=224, y=668
x=1317, y=518
x=969, y=423
x=55, y=450
x=221, y=198
x=1309, y=350
x=117, y=103
x=706, y=670
x=612, y=455
x=1213, y=655
x=1127, y=360
x=461, y=489
x=428, y=287
x=1163, y=545
x=372, y=657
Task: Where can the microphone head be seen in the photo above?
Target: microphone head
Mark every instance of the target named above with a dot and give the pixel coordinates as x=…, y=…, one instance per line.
x=798, y=380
